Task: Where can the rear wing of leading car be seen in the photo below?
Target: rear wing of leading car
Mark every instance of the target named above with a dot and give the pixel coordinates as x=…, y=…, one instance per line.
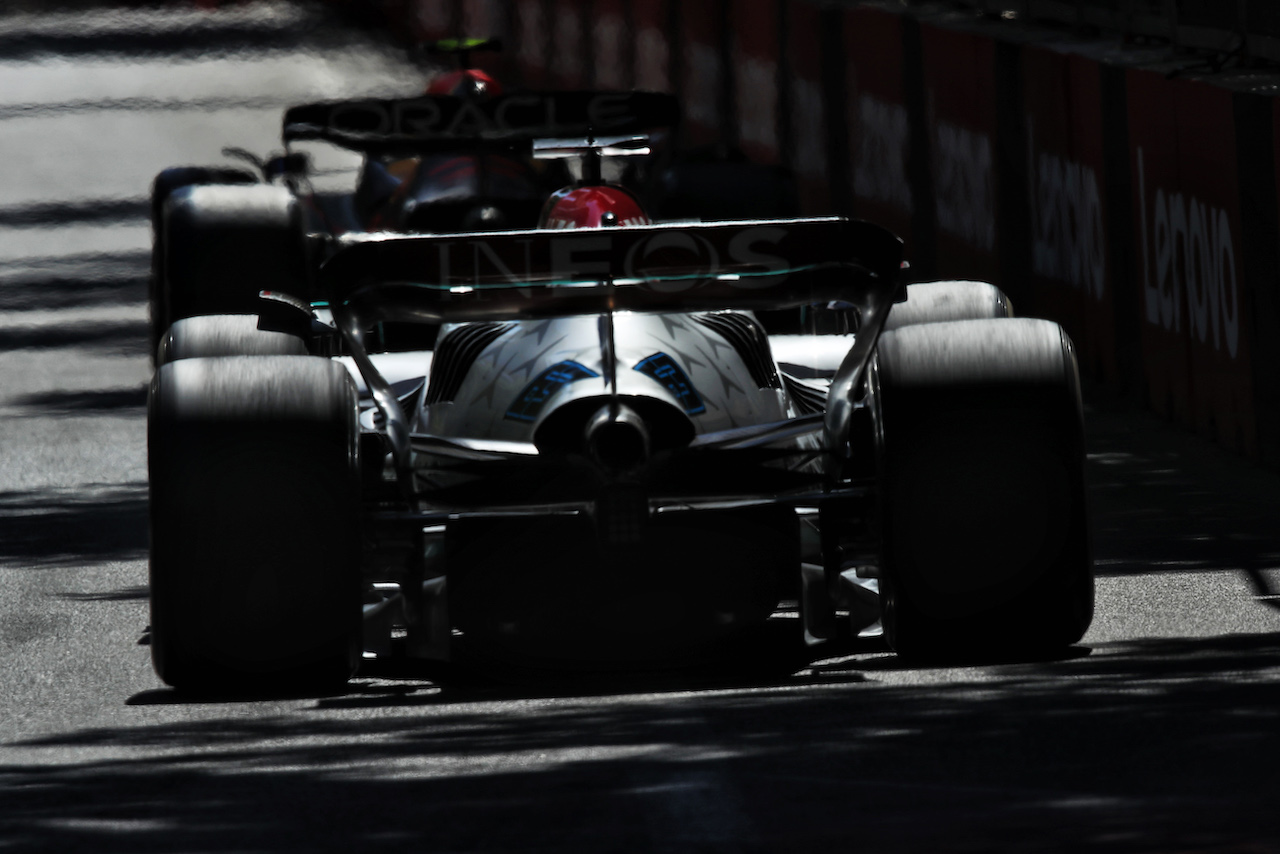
x=754, y=265
x=446, y=123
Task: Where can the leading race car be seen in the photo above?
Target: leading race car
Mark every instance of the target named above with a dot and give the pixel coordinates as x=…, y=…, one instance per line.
x=456, y=159
x=439, y=162
x=607, y=458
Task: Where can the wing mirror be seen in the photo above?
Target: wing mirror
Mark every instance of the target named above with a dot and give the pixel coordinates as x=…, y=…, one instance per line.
x=295, y=164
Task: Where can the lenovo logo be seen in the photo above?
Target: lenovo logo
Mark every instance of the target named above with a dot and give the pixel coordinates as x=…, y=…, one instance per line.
x=1188, y=261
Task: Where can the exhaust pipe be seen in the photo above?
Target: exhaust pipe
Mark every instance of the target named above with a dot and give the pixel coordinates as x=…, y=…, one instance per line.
x=617, y=439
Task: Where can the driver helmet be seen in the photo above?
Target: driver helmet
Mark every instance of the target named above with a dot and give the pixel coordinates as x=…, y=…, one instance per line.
x=592, y=207
x=465, y=83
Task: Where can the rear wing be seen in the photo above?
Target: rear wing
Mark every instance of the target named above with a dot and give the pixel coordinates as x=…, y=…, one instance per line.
x=446, y=123
x=753, y=265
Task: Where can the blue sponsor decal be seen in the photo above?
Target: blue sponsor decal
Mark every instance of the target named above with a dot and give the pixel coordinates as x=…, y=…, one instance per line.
x=536, y=394
x=664, y=369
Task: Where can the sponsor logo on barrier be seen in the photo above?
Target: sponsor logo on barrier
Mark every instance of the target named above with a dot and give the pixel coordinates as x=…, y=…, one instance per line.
x=1067, y=238
x=964, y=185
x=810, y=132
x=1188, y=251
x=880, y=164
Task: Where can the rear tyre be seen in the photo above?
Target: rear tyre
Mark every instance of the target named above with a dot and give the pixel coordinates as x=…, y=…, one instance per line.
x=218, y=246
x=166, y=184
x=224, y=335
x=985, y=542
x=941, y=302
x=255, y=545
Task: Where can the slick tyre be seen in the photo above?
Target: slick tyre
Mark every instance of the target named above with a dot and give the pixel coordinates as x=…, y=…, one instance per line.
x=218, y=246
x=985, y=540
x=177, y=177
x=255, y=544
x=941, y=302
x=224, y=335
x=166, y=184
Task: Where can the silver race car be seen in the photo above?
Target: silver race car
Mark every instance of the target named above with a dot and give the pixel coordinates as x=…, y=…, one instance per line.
x=627, y=445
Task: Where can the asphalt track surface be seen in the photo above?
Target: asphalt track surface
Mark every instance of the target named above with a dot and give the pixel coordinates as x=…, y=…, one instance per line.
x=1160, y=732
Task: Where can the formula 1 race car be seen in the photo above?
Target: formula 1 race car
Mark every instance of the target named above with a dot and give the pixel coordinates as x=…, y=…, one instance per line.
x=606, y=457
x=455, y=159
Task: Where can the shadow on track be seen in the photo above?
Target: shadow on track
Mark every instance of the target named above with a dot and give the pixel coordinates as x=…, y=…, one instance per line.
x=126, y=337
x=772, y=656
x=84, y=212
x=74, y=281
x=1144, y=746
x=78, y=527
x=178, y=32
x=131, y=401
x=1166, y=501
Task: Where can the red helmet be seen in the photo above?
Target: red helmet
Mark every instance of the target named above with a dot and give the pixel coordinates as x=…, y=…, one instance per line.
x=592, y=207
x=465, y=83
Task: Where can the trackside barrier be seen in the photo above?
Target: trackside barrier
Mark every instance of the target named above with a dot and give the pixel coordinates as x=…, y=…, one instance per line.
x=612, y=46
x=701, y=79
x=571, y=43
x=1196, y=337
x=959, y=101
x=651, y=26
x=755, y=31
x=809, y=128
x=1129, y=200
x=1069, y=249
x=425, y=21
x=879, y=125
x=532, y=43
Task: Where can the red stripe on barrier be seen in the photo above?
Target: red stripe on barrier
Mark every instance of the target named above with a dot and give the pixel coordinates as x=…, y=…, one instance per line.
x=876, y=113
x=959, y=82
